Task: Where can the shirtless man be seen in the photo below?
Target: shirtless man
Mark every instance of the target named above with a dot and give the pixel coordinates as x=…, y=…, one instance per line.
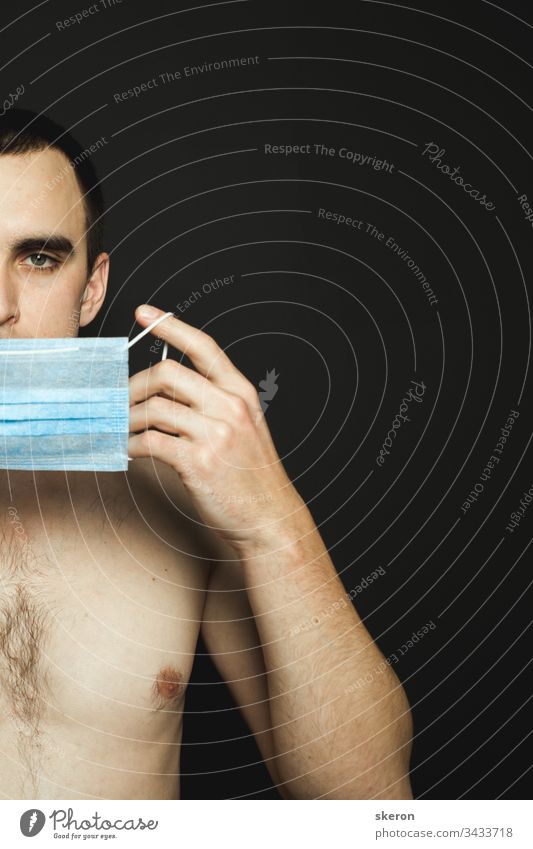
x=106, y=579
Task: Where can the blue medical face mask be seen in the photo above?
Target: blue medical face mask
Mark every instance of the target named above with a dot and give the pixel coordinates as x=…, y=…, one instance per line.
x=64, y=403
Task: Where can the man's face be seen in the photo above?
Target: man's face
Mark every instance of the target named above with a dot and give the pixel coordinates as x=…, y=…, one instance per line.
x=46, y=289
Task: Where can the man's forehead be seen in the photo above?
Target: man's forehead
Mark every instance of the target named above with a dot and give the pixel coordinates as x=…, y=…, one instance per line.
x=39, y=188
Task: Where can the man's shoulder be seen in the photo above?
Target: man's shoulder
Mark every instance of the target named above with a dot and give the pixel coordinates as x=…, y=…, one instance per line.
x=159, y=488
x=149, y=474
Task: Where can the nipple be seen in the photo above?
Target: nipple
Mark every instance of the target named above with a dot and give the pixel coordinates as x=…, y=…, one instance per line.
x=168, y=684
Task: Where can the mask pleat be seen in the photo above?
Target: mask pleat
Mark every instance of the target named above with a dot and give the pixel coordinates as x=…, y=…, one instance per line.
x=63, y=405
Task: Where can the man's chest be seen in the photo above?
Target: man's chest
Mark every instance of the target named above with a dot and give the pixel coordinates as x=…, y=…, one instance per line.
x=100, y=609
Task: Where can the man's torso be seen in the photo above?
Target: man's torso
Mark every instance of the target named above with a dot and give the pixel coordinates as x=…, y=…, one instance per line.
x=102, y=589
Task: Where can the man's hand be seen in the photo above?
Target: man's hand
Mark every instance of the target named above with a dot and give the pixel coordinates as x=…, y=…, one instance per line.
x=209, y=426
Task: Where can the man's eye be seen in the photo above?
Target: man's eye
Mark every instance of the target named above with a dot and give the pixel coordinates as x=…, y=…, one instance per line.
x=40, y=262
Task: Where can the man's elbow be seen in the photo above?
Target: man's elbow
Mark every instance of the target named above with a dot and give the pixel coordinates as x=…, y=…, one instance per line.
x=398, y=732
x=378, y=749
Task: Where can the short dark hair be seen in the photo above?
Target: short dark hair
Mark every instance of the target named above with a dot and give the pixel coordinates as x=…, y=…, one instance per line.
x=22, y=131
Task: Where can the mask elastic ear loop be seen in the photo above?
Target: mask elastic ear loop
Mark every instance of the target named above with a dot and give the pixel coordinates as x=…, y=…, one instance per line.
x=147, y=330
x=143, y=333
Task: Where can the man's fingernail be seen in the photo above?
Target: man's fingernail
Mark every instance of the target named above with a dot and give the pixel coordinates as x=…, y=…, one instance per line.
x=148, y=312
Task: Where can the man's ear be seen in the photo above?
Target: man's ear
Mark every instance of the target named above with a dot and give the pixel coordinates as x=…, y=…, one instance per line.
x=95, y=290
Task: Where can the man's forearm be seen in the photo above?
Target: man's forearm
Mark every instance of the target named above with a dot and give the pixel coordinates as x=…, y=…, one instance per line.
x=334, y=736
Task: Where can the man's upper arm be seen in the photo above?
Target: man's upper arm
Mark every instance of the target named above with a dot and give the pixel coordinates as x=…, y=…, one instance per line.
x=231, y=637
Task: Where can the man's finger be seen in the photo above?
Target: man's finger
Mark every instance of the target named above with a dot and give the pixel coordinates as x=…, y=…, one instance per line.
x=166, y=416
x=174, y=379
x=184, y=385
x=202, y=350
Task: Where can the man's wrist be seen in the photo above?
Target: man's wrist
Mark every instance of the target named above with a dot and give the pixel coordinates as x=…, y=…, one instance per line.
x=283, y=539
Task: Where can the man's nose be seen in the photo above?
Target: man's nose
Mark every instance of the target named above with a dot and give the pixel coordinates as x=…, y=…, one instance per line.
x=9, y=302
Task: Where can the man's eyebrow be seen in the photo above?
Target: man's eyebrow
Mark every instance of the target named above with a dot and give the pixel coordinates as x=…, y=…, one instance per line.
x=59, y=244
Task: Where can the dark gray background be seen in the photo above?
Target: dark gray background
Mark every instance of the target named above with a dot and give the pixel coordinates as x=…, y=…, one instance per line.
x=192, y=196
